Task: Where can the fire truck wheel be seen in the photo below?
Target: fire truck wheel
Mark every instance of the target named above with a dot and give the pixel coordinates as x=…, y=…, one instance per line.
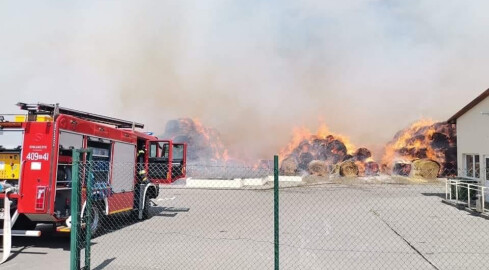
x=147, y=207
x=96, y=220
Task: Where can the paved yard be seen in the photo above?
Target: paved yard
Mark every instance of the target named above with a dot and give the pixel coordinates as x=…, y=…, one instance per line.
x=329, y=226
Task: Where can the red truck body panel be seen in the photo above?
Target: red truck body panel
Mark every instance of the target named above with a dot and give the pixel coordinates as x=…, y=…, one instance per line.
x=40, y=156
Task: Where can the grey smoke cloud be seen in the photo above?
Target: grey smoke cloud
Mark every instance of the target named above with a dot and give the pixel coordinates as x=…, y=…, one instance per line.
x=253, y=70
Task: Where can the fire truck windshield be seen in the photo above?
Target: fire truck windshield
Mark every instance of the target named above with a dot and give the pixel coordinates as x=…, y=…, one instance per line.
x=11, y=139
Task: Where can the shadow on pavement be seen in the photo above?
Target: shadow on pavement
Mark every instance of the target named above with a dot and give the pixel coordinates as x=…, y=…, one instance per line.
x=437, y=194
x=120, y=221
x=49, y=239
x=104, y=264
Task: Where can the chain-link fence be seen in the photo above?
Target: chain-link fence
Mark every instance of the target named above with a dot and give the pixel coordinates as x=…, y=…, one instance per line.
x=222, y=217
x=384, y=222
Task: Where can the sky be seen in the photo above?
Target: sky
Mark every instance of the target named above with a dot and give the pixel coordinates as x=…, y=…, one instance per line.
x=254, y=70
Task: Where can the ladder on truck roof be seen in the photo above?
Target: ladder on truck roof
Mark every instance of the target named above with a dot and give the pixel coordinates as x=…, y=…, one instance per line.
x=52, y=109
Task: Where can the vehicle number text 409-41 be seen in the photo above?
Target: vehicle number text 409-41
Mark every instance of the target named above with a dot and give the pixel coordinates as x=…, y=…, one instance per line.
x=37, y=156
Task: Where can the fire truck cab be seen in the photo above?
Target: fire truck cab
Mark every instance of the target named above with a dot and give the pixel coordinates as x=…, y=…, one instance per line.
x=36, y=163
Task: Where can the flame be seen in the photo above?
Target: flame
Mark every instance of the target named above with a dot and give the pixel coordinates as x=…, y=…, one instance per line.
x=201, y=129
x=205, y=143
x=212, y=140
x=323, y=132
x=301, y=134
x=415, y=142
x=298, y=135
x=361, y=168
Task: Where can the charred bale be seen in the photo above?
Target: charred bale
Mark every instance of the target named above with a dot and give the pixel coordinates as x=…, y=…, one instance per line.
x=304, y=160
x=439, y=141
x=449, y=166
x=362, y=154
x=337, y=147
x=402, y=168
x=319, y=149
x=372, y=168
x=421, y=153
x=336, y=151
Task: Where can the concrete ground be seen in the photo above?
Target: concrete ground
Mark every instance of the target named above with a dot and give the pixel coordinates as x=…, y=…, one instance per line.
x=326, y=226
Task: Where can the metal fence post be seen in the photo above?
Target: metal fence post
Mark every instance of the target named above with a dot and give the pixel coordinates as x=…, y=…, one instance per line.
x=75, y=212
x=276, y=210
x=88, y=217
x=456, y=191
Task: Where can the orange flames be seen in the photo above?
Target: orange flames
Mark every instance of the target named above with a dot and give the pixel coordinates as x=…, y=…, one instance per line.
x=204, y=143
x=406, y=139
x=423, y=139
x=212, y=140
x=299, y=135
x=308, y=151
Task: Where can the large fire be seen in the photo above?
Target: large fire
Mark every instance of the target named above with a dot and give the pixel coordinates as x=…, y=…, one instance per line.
x=204, y=143
x=424, y=139
x=323, y=152
x=302, y=135
x=319, y=152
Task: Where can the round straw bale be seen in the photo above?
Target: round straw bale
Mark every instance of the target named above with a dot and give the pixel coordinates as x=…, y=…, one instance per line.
x=425, y=168
x=289, y=166
x=318, y=168
x=348, y=168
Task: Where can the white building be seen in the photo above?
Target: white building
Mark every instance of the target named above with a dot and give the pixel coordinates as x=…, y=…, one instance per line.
x=473, y=139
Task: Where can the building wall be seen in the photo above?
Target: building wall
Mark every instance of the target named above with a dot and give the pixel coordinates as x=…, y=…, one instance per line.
x=473, y=136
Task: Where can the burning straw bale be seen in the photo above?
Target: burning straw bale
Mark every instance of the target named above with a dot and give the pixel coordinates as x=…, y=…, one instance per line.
x=362, y=154
x=289, y=166
x=402, y=168
x=372, y=168
x=425, y=168
x=205, y=145
x=318, y=168
x=423, y=140
x=304, y=160
x=318, y=153
x=336, y=151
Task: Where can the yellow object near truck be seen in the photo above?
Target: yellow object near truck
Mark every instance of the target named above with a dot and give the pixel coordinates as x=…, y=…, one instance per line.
x=9, y=166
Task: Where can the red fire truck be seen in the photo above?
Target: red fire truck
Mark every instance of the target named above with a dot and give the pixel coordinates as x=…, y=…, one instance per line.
x=36, y=153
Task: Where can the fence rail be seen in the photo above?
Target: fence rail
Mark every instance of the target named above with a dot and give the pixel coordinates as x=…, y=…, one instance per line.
x=468, y=193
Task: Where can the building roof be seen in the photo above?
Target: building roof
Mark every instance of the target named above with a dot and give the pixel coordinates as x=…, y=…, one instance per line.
x=469, y=106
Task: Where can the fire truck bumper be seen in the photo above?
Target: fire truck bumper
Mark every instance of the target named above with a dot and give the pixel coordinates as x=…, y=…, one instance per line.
x=24, y=233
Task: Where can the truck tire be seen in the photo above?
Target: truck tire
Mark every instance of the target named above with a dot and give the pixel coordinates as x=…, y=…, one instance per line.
x=97, y=219
x=147, y=213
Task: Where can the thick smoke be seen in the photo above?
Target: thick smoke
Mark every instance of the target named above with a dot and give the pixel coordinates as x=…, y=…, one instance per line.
x=253, y=70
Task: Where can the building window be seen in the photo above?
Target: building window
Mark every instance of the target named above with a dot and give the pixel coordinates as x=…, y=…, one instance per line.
x=472, y=165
